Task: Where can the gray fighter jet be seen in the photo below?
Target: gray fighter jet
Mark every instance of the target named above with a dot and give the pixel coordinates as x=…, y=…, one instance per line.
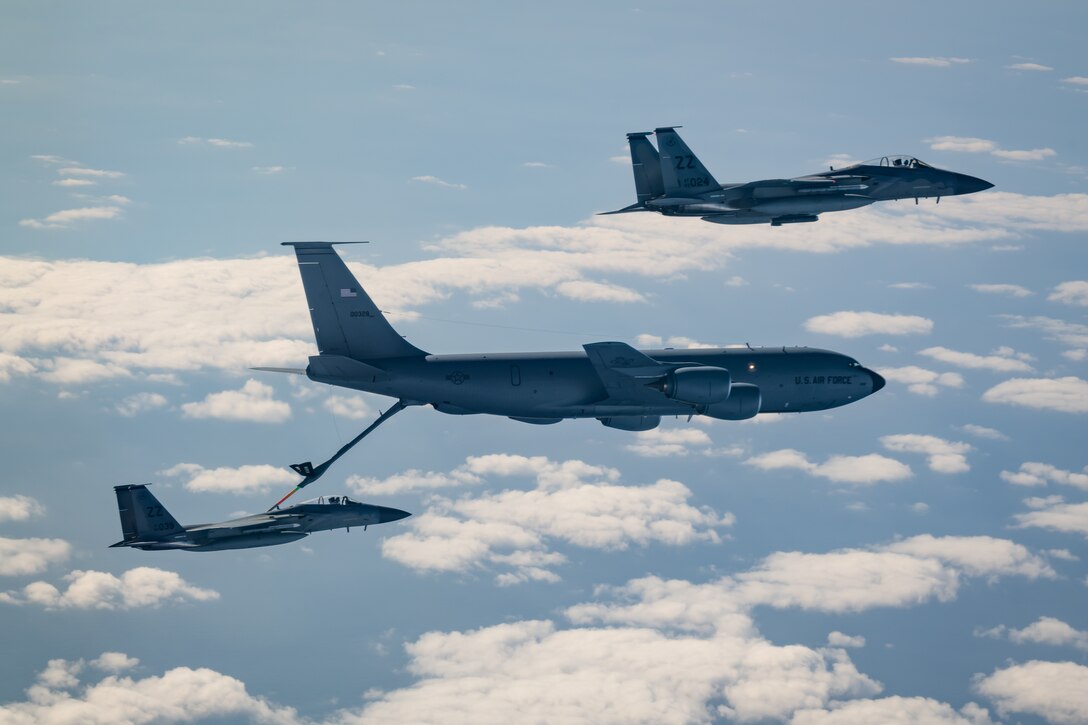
x=147, y=524
x=618, y=385
x=672, y=181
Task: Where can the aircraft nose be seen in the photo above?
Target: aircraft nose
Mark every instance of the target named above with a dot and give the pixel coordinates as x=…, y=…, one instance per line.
x=970, y=184
x=878, y=380
x=391, y=514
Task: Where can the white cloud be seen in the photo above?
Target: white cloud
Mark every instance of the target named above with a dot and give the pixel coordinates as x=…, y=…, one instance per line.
x=1012, y=290
x=573, y=502
x=269, y=170
x=862, y=470
x=932, y=61
x=415, y=480
x=1054, y=691
x=216, y=142
x=73, y=371
x=981, y=431
x=969, y=144
x=114, y=662
x=921, y=381
x=68, y=218
x=736, y=281
x=253, y=402
x=1069, y=333
x=998, y=363
x=1071, y=293
x=838, y=639
x=1054, y=514
x=983, y=556
x=1029, y=67
x=19, y=508
x=1025, y=154
x=652, y=650
x=181, y=694
x=1078, y=355
x=30, y=556
x=1044, y=630
x=140, y=587
x=943, y=456
x=347, y=406
x=1037, y=474
x=83, y=171
x=661, y=442
x=966, y=144
x=429, y=179
x=241, y=480
x=590, y=291
x=74, y=182
x=137, y=403
x=673, y=651
x=1076, y=80
x=893, y=710
x=13, y=365
x=1067, y=395
x=910, y=285
x=537, y=165
x=856, y=324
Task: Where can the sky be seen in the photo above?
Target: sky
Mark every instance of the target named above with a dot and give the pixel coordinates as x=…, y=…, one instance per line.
x=918, y=556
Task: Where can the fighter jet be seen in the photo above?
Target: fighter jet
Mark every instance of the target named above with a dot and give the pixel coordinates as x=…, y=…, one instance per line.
x=147, y=525
x=618, y=385
x=672, y=181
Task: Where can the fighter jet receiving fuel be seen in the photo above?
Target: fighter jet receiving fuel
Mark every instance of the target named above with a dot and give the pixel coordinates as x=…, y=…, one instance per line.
x=147, y=525
x=672, y=181
x=618, y=385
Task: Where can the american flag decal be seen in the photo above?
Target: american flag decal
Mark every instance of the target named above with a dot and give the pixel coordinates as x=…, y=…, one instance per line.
x=349, y=292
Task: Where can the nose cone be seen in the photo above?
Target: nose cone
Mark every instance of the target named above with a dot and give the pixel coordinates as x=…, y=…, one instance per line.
x=878, y=381
x=390, y=514
x=965, y=184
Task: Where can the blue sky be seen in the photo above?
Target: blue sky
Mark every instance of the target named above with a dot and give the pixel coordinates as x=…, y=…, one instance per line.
x=918, y=554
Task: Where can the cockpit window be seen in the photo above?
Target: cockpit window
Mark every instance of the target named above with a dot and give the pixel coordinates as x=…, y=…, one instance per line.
x=329, y=501
x=853, y=364
x=899, y=162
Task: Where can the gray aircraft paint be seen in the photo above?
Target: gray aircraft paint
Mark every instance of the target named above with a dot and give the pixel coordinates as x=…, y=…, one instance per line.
x=672, y=181
x=622, y=387
x=147, y=525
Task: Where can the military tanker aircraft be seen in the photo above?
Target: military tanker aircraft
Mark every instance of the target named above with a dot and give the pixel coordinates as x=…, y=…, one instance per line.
x=618, y=385
x=147, y=525
x=672, y=181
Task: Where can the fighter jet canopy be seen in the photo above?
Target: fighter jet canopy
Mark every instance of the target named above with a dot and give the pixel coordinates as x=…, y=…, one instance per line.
x=899, y=161
x=328, y=501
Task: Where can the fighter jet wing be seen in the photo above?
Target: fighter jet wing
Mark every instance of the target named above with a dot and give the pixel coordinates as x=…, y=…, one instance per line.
x=253, y=523
x=624, y=370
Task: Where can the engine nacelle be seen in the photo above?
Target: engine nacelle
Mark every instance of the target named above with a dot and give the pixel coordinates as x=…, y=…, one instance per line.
x=632, y=422
x=697, y=385
x=743, y=403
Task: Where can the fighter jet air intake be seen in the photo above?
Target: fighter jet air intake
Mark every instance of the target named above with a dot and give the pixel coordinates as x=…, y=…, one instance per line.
x=147, y=525
x=671, y=180
x=618, y=385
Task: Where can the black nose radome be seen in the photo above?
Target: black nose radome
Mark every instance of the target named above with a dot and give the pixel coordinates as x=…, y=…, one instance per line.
x=878, y=381
x=389, y=514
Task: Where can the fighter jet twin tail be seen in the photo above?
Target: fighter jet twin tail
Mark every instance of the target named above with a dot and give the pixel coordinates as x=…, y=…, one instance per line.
x=620, y=386
x=672, y=181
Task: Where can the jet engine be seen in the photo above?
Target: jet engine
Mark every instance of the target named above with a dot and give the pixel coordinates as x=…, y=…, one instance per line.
x=697, y=385
x=632, y=422
x=743, y=403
